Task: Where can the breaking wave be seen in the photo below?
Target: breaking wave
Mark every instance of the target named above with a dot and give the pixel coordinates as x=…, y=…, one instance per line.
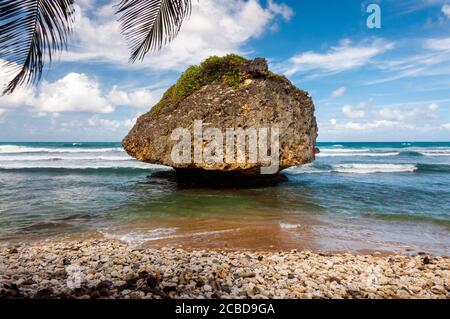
x=15, y=149
x=359, y=168
x=164, y=233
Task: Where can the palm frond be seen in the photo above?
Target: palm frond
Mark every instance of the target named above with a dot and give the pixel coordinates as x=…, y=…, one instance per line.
x=31, y=31
x=148, y=25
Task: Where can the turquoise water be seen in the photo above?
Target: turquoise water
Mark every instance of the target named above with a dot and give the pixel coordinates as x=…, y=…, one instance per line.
x=355, y=196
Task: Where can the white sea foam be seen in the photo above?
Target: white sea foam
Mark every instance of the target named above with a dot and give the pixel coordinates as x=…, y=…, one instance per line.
x=373, y=168
x=289, y=226
x=13, y=149
x=380, y=152
x=86, y=165
x=343, y=154
x=354, y=168
x=344, y=150
x=138, y=238
x=68, y=157
x=428, y=151
x=306, y=169
x=24, y=157
x=166, y=233
x=443, y=153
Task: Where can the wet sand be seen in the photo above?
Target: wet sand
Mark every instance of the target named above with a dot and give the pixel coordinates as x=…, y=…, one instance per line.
x=272, y=233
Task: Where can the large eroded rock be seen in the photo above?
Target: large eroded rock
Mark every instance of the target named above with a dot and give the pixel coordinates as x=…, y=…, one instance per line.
x=255, y=98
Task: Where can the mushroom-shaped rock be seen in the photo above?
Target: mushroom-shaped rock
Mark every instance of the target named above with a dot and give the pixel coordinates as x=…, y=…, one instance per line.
x=220, y=113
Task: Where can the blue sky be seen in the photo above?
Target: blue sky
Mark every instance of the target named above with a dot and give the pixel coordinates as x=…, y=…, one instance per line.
x=387, y=84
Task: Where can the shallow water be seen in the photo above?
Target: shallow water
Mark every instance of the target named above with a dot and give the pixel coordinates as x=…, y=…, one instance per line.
x=355, y=197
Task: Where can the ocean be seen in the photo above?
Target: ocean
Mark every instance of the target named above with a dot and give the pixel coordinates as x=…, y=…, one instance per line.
x=356, y=197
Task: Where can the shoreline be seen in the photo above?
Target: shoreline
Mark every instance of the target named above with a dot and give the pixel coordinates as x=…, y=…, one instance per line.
x=108, y=268
x=306, y=233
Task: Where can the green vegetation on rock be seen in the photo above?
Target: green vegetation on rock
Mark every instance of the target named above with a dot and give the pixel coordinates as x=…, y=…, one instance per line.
x=226, y=67
x=196, y=76
x=273, y=75
x=214, y=68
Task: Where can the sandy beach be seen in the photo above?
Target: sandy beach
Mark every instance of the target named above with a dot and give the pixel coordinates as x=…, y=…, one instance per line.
x=104, y=268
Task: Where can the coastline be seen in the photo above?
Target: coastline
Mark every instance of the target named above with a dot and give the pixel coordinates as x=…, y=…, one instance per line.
x=107, y=268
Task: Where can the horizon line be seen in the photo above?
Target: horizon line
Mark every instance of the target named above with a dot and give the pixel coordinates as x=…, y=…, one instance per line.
x=394, y=141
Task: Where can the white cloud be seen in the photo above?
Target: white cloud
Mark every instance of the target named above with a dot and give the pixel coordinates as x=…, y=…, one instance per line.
x=375, y=124
x=21, y=96
x=397, y=114
x=71, y=124
x=73, y=93
x=388, y=113
x=402, y=116
x=434, y=60
x=216, y=27
x=409, y=6
x=281, y=9
x=97, y=38
x=339, y=92
x=446, y=10
x=112, y=125
x=446, y=126
x=136, y=98
x=433, y=107
x=338, y=58
x=352, y=112
x=438, y=44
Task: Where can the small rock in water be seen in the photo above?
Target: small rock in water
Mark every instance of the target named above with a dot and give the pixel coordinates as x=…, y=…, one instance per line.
x=421, y=253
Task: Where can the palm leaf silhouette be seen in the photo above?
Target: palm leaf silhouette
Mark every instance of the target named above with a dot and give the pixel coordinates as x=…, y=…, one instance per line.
x=148, y=25
x=31, y=31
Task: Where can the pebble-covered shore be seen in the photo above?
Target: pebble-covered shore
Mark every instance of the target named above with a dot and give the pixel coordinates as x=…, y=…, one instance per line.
x=114, y=269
